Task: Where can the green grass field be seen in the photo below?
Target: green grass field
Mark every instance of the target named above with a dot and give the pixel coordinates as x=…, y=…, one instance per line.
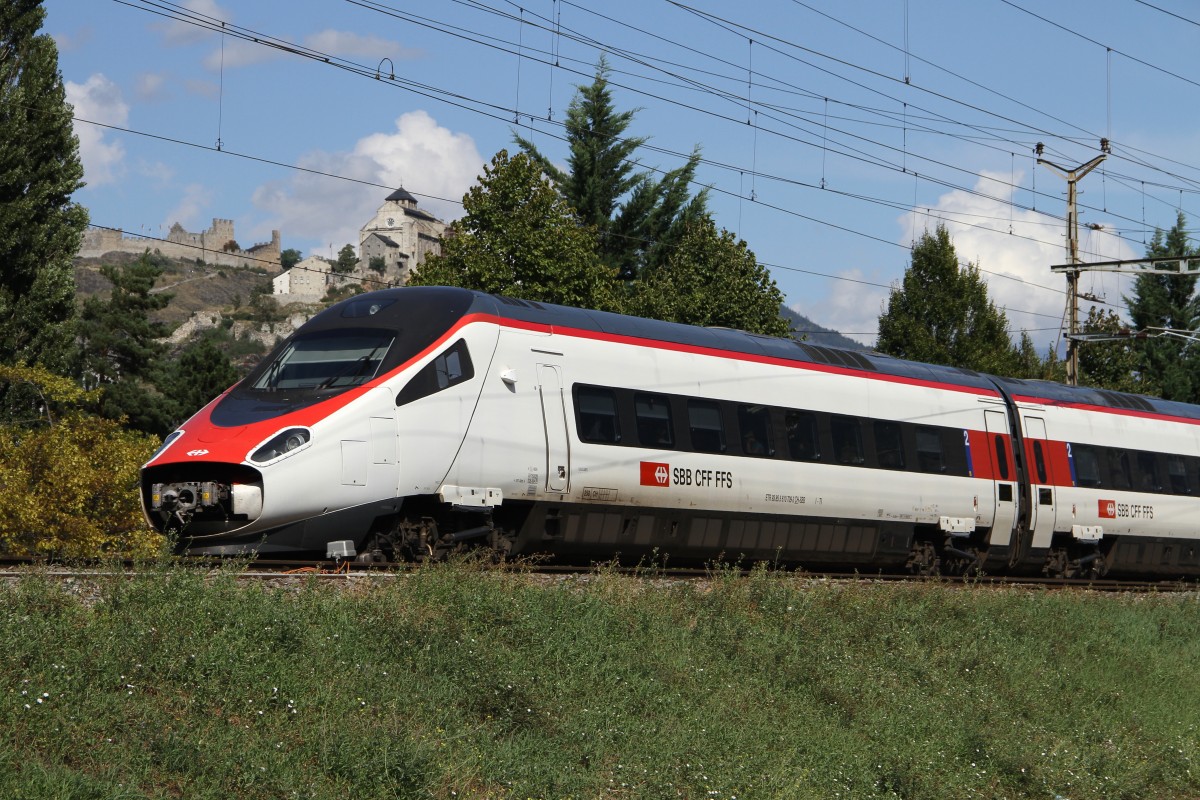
x=453, y=682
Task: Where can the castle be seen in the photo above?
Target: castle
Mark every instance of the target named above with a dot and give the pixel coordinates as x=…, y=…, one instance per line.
x=401, y=234
x=216, y=245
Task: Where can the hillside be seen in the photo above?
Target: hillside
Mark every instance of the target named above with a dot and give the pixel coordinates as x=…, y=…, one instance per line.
x=218, y=293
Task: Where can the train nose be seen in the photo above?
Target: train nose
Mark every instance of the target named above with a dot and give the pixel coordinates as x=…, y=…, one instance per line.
x=177, y=504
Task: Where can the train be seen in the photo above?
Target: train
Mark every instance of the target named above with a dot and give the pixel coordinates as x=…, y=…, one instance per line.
x=410, y=423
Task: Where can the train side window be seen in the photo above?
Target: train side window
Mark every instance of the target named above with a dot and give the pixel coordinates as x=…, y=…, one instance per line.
x=1147, y=472
x=930, y=455
x=1001, y=457
x=450, y=368
x=1087, y=466
x=803, y=444
x=754, y=424
x=653, y=414
x=596, y=415
x=1039, y=460
x=847, y=440
x=1119, y=473
x=889, y=449
x=704, y=425
x=1177, y=475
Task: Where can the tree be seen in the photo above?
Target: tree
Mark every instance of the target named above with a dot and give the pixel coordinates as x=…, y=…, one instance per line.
x=519, y=237
x=1168, y=301
x=377, y=264
x=712, y=278
x=202, y=371
x=120, y=347
x=70, y=478
x=634, y=235
x=347, y=259
x=40, y=227
x=941, y=314
x=1111, y=365
x=289, y=258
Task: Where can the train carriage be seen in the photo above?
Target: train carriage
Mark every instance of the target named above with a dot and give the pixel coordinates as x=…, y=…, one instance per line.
x=413, y=421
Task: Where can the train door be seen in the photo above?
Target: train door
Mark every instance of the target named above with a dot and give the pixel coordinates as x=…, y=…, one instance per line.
x=1006, y=497
x=1041, y=486
x=554, y=416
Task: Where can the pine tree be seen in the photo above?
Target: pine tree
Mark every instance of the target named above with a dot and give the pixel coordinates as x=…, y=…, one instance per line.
x=633, y=235
x=519, y=237
x=120, y=347
x=1168, y=301
x=941, y=314
x=40, y=227
x=200, y=373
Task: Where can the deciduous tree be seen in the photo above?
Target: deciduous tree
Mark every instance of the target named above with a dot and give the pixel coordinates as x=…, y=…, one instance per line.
x=712, y=278
x=519, y=237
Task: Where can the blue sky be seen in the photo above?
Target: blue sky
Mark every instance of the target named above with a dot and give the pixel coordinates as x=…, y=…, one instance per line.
x=833, y=133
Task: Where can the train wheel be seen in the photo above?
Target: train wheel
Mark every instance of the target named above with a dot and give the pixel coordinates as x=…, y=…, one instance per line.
x=923, y=559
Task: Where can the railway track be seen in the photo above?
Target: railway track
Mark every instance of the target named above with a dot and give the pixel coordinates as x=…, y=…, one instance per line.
x=14, y=568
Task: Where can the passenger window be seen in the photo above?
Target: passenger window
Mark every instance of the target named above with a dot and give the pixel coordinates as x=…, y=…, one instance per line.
x=1177, y=473
x=1001, y=457
x=847, y=440
x=1039, y=461
x=450, y=368
x=888, y=447
x=653, y=420
x=803, y=444
x=1118, y=469
x=930, y=456
x=754, y=423
x=1087, y=466
x=1148, y=472
x=596, y=415
x=704, y=424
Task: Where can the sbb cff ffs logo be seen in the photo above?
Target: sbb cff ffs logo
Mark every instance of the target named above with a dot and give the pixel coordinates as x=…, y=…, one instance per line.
x=656, y=474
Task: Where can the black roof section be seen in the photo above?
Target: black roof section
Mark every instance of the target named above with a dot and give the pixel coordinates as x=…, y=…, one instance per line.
x=453, y=303
x=401, y=196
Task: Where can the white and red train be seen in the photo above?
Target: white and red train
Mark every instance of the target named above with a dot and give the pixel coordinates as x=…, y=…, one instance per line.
x=406, y=422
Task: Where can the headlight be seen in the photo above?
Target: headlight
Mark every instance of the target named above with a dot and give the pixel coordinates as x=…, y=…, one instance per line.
x=281, y=444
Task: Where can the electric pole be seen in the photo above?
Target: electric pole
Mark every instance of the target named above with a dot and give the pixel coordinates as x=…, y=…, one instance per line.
x=1073, y=176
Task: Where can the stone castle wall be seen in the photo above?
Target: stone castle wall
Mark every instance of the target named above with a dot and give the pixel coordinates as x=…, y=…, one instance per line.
x=207, y=246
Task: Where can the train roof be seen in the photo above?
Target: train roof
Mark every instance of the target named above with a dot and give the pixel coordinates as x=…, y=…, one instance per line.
x=443, y=302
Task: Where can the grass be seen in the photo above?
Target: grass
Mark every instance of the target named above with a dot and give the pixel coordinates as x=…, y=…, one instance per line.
x=451, y=681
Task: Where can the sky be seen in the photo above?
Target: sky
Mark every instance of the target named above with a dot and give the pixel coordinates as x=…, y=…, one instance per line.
x=833, y=133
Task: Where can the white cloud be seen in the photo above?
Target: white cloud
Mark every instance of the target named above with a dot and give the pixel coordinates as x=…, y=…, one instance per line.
x=1015, y=249
x=351, y=45
x=852, y=306
x=196, y=197
x=151, y=86
x=420, y=155
x=98, y=100
x=156, y=171
x=66, y=42
x=181, y=32
x=243, y=53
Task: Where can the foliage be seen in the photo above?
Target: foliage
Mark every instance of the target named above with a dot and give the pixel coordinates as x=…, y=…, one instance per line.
x=120, y=345
x=231, y=246
x=519, y=237
x=1029, y=365
x=347, y=259
x=1115, y=364
x=70, y=479
x=456, y=682
x=340, y=290
x=201, y=372
x=377, y=264
x=289, y=258
x=637, y=234
x=40, y=227
x=941, y=314
x=1168, y=301
x=712, y=279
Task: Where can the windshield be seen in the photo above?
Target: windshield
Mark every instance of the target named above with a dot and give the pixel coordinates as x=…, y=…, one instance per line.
x=327, y=360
